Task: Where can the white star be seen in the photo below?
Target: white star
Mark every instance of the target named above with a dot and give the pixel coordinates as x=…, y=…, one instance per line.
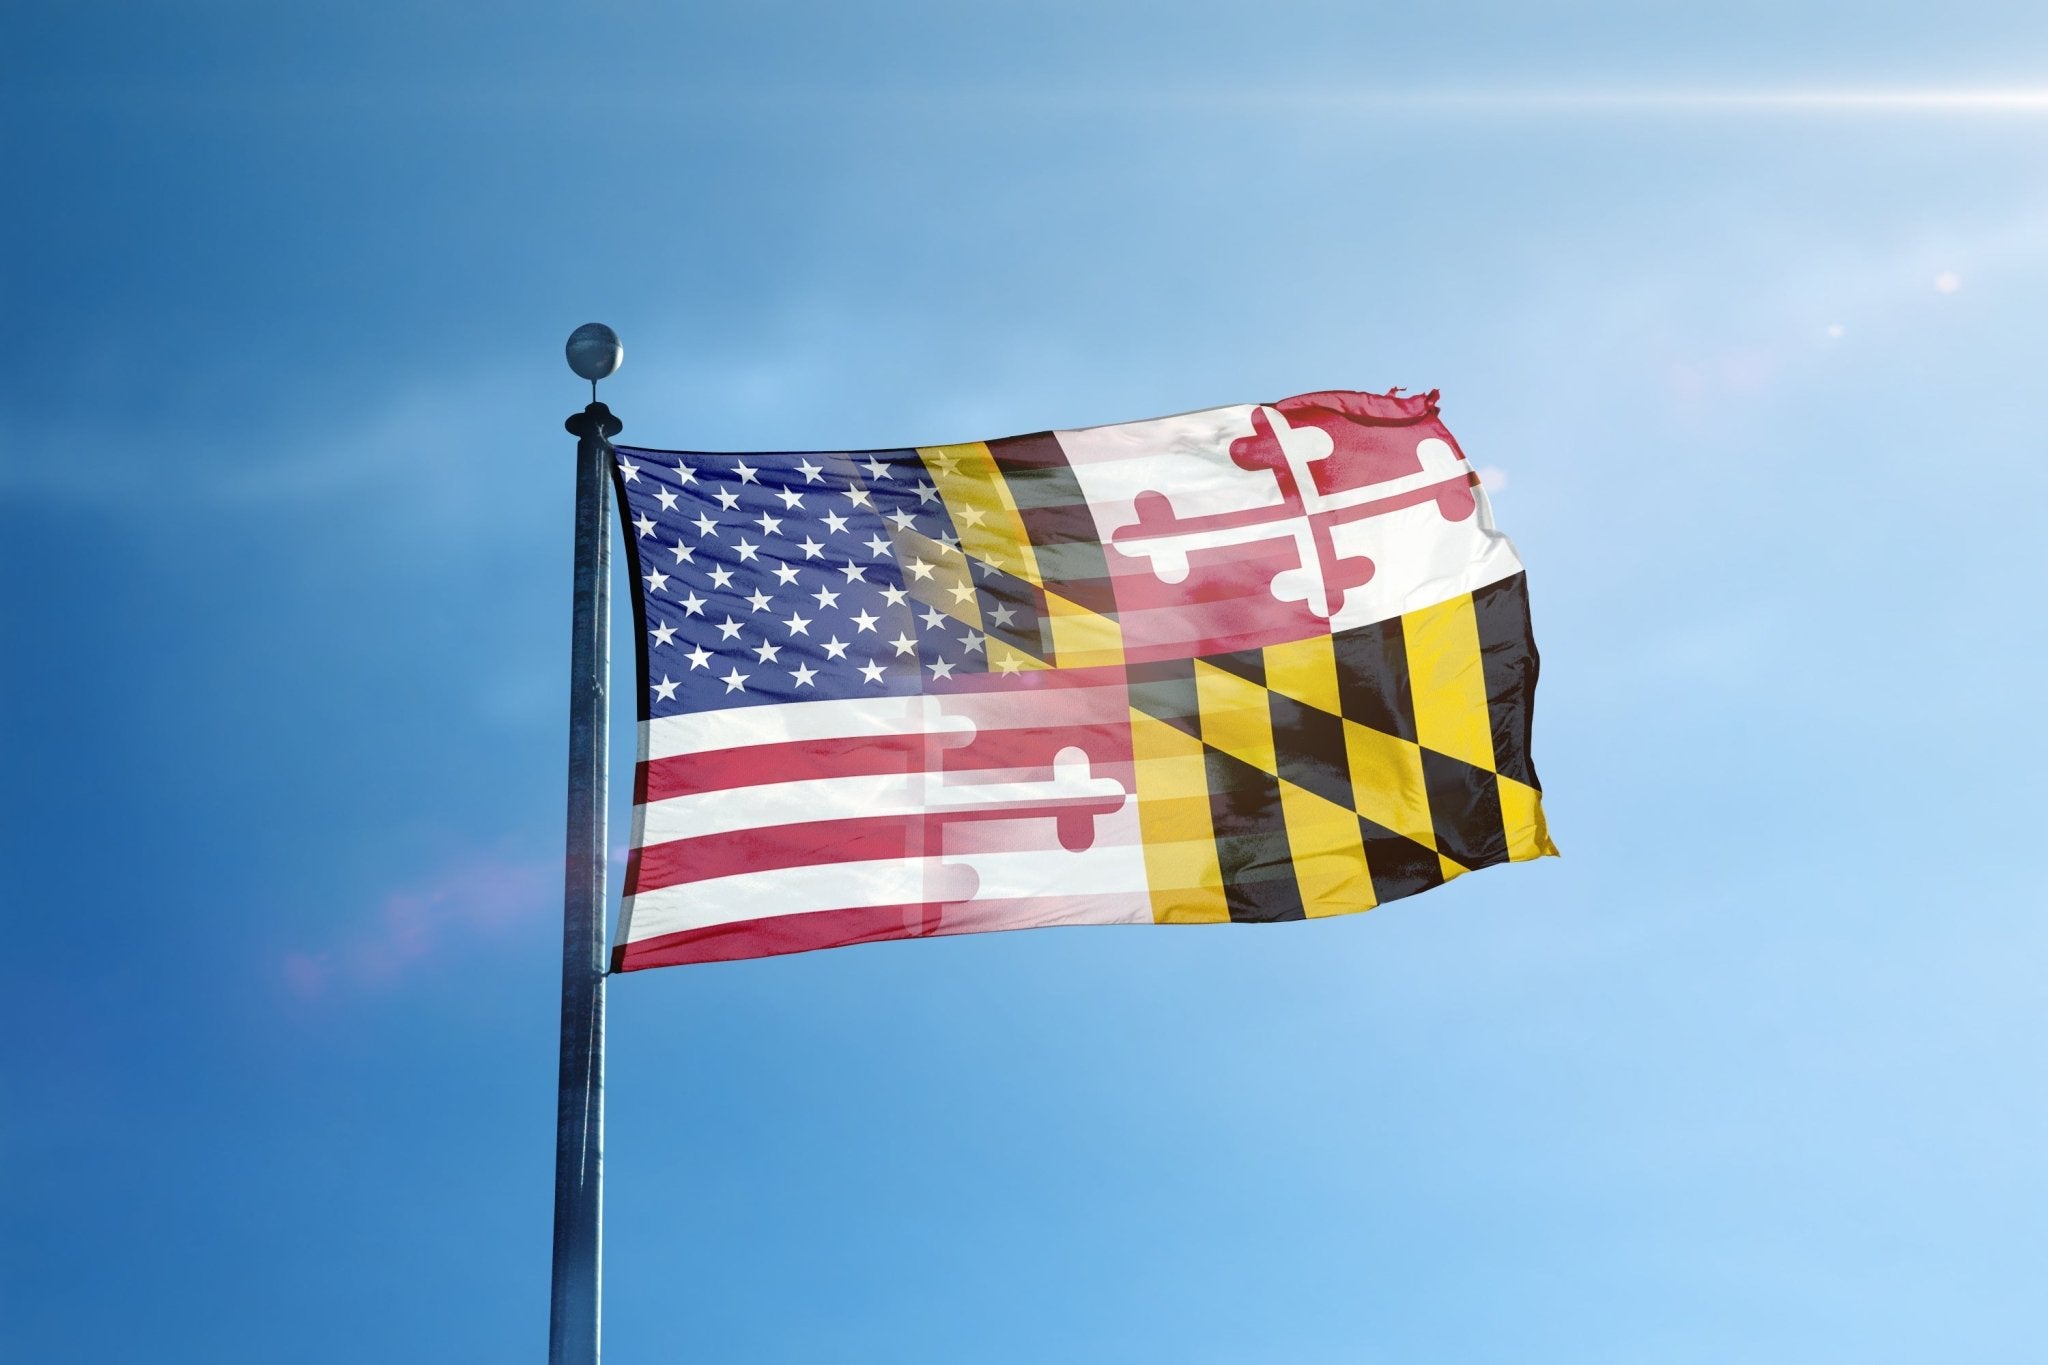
x=727, y=498
x=988, y=564
x=693, y=605
x=825, y=597
x=933, y=617
x=705, y=525
x=920, y=570
x=904, y=521
x=770, y=526
x=684, y=554
x=729, y=630
x=834, y=648
x=791, y=499
x=745, y=549
x=809, y=470
x=667, y=499
x=941, y=669
x=785, y=574
x=871, y=671
x=665, y=690
x=656, y=580
x=865, y=621
x=721, y=577
x=643, y=524
x=735, y=681
x=745, y=471
x=947, y=539
x=766, y=652
x=894, y=596
x=663, y=633
x=834, y=523
x=943, y=464
x=698, y=657
x=904, y=644
x=858, y=497
x=798, y=625
x=971, y=516
x=974, y=644
x=1007, y=664
x=628, y=471
x=926, y=493
x=684, y=474
x=876, y=469
x=803, y=675
x=961, y=592
x=1001, y=614
x=811, y=548
x=878, y=545
x=852, y=572
x=759, y=600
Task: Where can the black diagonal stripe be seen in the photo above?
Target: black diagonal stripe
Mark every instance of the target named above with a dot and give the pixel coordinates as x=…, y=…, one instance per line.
x=1011, y=610
x=1064, y=539
x=1372, y=678
x=1399, y=866
x=1507, y=652
x=1308, y=748
x=1464, y=809
x=1166, y=690
x=1251, y=841
x=1249, y=664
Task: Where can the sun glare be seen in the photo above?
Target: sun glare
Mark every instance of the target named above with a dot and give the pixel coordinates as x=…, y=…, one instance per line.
x=2010, y=100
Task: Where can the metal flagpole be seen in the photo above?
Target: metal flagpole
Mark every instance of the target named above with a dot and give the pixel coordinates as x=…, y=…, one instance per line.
x=594, y=353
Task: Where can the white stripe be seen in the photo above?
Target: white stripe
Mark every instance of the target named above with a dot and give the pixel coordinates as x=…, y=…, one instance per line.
x=781, y=803
x=740, y=726
x=885, y=794
x=844, y=886
x=783, y=891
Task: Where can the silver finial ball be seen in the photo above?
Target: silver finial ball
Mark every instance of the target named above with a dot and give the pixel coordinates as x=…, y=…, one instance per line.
x=594, y=351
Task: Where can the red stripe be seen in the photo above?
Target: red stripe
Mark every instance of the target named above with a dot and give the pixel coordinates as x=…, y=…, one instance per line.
x=771, y=847
x=791, y=761
x=803, y=760
x=1032, y=750
x=772, y=937
x=780, y=934
x=814, y=843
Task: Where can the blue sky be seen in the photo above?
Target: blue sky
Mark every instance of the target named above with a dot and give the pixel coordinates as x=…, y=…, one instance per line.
x=1753, y=1072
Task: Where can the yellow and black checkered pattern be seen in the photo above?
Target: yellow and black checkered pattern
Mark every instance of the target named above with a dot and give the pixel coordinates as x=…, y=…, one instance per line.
x=1318, y=777
x=1325, y=776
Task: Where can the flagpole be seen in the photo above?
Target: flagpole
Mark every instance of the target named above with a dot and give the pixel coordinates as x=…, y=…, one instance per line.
x=573, y=1318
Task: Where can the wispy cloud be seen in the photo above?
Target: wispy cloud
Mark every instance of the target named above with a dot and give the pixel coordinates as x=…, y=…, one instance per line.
x=1500, y=99
x=478, y=896
x=2017, y=100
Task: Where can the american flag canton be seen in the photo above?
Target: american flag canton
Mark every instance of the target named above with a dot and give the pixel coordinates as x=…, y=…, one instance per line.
x=785, y=577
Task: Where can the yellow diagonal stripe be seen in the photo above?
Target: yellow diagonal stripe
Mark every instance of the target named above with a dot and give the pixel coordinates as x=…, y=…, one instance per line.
x=937, y=576
x=1521, y=815
x=1173, y=814
x=1305, y=670
x=1447, y=681
x=1235, y=716
x=1003, y=658
x=1386, y=782
x=1329, y=857
x=1080, y=638
x=978, y=500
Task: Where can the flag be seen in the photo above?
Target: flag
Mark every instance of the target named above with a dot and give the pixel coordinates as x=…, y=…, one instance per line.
x=1255, y=663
